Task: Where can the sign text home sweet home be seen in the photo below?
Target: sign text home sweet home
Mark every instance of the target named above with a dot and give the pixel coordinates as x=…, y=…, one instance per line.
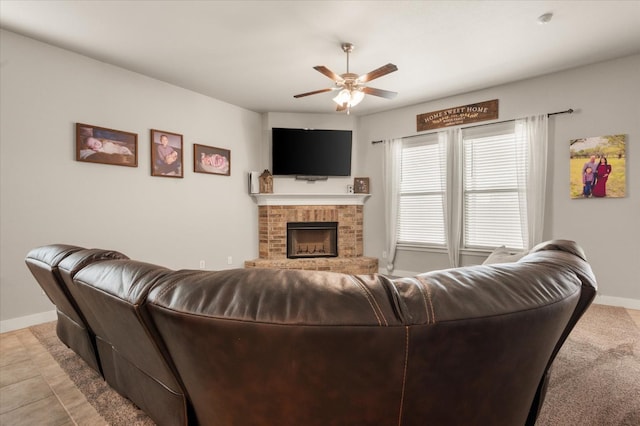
x=471, y=113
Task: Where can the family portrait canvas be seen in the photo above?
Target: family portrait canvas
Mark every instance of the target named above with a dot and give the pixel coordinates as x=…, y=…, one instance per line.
x=598, y=167
x=96, y=144
x=166, y=154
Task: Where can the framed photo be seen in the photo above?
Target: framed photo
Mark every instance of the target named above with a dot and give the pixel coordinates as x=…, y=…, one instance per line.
x=96, y=144
x=212, y=160
x=361, y=185
x=166, y=154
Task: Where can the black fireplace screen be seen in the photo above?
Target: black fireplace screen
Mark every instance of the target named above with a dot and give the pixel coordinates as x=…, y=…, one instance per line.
x=312, y=239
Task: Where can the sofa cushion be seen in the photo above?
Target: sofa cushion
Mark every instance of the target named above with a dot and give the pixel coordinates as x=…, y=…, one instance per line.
x=504, y=255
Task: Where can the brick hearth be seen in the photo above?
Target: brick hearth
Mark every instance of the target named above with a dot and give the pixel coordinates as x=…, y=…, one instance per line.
x=272, y=230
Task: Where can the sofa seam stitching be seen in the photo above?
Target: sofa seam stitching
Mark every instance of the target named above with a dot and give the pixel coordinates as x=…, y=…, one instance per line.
x=359, y=285
x=426, y=298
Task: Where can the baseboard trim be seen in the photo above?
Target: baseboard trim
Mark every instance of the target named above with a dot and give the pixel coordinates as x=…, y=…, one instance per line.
x=27, y=321
x=618, y=301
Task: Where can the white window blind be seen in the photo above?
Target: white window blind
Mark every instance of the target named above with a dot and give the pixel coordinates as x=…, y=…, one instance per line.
x=491, y=211
x=420, y=216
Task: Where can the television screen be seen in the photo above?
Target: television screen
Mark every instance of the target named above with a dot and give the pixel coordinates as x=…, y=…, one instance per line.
x=311, y=152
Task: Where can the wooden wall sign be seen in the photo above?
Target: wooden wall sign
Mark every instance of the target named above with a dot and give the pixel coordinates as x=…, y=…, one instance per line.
x=465, y=114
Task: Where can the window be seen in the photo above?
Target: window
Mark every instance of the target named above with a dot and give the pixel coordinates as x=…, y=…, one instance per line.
x=491, y=213
x=422, y=189
x=492, y=171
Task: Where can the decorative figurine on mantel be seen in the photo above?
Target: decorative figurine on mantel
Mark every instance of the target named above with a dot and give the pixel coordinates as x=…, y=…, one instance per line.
x=361, y=185
x=266, y=182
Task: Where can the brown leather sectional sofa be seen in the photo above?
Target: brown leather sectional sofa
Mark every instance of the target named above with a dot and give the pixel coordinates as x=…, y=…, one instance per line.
x=467, y=346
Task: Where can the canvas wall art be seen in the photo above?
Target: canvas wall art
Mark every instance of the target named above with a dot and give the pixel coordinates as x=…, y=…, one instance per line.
x=598, y=167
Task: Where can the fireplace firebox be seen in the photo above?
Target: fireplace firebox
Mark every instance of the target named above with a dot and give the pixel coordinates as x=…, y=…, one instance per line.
x=312, y=239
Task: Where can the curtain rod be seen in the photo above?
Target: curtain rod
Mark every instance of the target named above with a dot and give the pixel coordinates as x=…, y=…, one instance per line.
x=568, y=111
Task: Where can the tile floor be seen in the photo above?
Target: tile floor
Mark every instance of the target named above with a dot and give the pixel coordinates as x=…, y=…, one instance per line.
x=34, y=390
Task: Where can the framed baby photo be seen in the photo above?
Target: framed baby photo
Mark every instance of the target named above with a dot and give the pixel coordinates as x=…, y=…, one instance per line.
x=212, y=160
x=361, y=185
x=96, y=144
x=166, y=154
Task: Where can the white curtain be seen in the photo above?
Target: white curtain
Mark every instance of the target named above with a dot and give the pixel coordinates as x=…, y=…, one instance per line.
x=531, y=154
x=450, y=146
x=391, y=169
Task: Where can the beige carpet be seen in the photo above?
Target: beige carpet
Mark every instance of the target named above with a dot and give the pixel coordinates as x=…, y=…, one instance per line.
x=595, y=379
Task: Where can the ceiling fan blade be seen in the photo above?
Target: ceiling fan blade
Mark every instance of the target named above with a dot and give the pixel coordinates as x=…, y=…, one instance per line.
x=341, y=107
x=315, y=92
x=383, y=70
x=379, y=92
x=326, y=71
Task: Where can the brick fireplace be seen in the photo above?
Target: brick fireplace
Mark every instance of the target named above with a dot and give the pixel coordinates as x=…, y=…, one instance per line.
x=276, y=211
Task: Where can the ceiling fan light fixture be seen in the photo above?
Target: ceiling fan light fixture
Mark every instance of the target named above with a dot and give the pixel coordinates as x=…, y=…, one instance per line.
x=351, y=86
x=356, y=97
x=342, y=97
x=349, y=97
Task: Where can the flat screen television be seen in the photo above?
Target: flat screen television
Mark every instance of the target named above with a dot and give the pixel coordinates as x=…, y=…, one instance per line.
x=311, y=152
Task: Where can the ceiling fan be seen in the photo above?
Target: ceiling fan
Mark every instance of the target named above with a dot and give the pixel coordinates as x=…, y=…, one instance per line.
x=351, y=86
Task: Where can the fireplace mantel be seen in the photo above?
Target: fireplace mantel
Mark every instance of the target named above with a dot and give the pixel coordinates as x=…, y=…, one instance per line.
x=310, y=199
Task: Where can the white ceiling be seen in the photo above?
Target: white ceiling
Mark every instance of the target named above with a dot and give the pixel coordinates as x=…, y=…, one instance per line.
x=258, y=54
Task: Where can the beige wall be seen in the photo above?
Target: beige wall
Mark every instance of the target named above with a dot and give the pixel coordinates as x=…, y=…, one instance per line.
x=48, y=197
x=606, y=97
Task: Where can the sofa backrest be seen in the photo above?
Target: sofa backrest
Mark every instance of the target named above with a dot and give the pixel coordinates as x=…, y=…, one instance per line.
x=560, y=249
x=72, y=328
x=494, y=330
x=462, y=346
x=67, y=269
x=113, y=296
x=43, y=263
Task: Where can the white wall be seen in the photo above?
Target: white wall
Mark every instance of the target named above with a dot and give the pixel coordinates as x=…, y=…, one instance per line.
x=606, y=98
x=48, y=197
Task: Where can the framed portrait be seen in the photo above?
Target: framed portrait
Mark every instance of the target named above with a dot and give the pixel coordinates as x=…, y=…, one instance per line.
x=361, y=185
x=212, y=160
x=597, y=167
x=166, y=154
x=96, y=144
